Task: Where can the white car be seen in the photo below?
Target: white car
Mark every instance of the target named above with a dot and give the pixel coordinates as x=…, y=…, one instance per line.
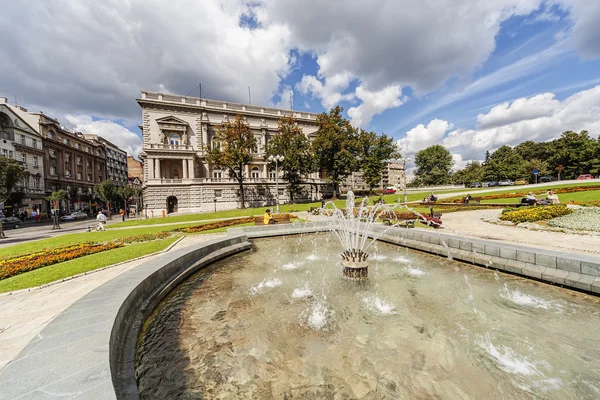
x=74, y=216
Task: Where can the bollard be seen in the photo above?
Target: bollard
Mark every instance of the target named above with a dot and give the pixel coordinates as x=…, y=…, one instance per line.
x=88, y=228
x=163, y=213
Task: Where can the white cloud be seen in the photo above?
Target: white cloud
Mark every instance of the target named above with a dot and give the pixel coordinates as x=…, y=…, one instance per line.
x=331, y=92
x=539, y=118
x=423, y=136
x=115, y=133
x=585, y=31
x=542, y=105
x=373, y=103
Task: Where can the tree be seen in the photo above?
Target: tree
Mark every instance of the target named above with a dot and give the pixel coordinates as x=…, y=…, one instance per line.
x=126, y=193
x=472, y=172
x=576, y=152
x=107, y=192
x=11, y=174
x=505, y=163
x=234, y=146
x=57, y=196
x=433, y=165
x=294, y=146
x=336, y=147
x=536, y=164
x=375, y=151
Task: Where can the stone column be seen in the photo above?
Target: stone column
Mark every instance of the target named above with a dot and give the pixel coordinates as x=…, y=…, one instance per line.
x=265, y=171
x=184, y=167
x=157, y=174
x=246, y=171
x=150, y=168
x=191, y=169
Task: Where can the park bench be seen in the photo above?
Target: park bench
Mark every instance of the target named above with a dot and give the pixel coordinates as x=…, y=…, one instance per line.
x=406, y=219
x=279, y=218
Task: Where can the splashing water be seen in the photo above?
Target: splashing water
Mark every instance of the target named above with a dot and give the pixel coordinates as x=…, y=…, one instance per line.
x=290, y=266
x=379, y=306
x=401, y=259
x=312, y=257
x=522, y=299
x=415, y=271
x=265, y=284
x=300, y=293
x=379, y=257
x=507, y=359
x=317, y=315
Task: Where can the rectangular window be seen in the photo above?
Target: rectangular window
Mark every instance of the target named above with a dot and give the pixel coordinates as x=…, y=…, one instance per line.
x=36, y=182
x=218, y=193
x=65, y=141
x=89, y=177
x=10, y=154
x=52, y=170
x=217, y=174
x=79, y=176
x=34, y=143
x=68, y=173
x=24, y=158
x=87, y=149
x=23, y=140
x=35, y=162
x=5, y=152
x=254, y=174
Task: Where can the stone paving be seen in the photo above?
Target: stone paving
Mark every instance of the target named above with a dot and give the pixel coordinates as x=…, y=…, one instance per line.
x=24, y=314
x=469, y=223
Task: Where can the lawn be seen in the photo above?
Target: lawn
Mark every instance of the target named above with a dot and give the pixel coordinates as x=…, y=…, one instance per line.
x=564, y=197
x=84, y=264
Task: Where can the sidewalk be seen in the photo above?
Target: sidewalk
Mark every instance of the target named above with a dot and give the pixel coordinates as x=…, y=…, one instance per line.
x=25, y=314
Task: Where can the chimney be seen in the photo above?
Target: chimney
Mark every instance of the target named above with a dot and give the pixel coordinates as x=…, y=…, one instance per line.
x=3, y=100
x=22, y=108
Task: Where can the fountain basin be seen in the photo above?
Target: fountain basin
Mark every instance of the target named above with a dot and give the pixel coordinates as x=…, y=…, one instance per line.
x=355, y=270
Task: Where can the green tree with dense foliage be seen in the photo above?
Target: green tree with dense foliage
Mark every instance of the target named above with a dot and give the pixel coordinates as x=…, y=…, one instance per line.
x=578, y=154
x=505, y=163
x=11, y=174
x=233, y=149
x=107, y=192
x=434, y=165
x=294, y=146
x=472, y=172
x=336, y=147
x=375, y=151
x=57, y=196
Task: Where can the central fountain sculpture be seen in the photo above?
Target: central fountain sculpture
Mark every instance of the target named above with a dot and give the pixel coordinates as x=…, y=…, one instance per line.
x=353, y=226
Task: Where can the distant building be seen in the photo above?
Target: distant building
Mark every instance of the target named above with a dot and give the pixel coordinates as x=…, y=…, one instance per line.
x=135, y=169
x=21, y=140
x=393, y=175
x=177, y=177
x=116, y=160
x=71, y=162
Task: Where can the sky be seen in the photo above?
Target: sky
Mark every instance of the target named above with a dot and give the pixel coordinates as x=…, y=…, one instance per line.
x=472, y=75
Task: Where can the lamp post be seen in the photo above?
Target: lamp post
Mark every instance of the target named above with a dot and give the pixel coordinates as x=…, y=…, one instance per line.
x=277, y=159
x=404, y=160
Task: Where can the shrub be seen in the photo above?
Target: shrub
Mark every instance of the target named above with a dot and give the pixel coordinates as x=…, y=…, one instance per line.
x=583, y=219
x=144, y=238
x=534, y=213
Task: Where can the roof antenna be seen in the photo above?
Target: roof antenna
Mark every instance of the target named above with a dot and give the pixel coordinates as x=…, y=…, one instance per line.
x=291, y=100
x=249, y=97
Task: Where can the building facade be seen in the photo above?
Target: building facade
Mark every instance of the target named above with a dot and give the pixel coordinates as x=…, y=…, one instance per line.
x=20, y=139
x=176, y=131
x=71, y=163
x=393, y=175
x=135, y=169
x=116, y=159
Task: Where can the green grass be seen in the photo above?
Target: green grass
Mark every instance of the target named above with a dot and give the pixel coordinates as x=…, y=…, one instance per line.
x=564, y=197
x=84, y=264
x=519, y=189
x=74, y=238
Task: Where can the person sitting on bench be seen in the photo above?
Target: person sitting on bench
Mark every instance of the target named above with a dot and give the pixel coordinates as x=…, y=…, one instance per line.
x=268, y=218
x=530, y=199
x=467, y=198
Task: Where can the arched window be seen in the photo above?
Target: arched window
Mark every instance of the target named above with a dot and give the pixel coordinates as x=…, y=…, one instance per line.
x=217, y=173
x=175, y=174
x=174, y=139
x=255, y=173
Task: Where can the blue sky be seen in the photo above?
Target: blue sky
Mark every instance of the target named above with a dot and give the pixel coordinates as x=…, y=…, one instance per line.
x=472, y=75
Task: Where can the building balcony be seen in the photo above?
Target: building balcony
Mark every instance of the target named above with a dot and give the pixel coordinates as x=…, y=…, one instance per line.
x=269, y=181
x=175, y=147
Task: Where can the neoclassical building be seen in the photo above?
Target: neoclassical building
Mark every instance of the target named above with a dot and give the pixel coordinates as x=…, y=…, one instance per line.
x=176, y=131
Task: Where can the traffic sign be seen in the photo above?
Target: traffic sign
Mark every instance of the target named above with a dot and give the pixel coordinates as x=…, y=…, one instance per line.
x=535, y=171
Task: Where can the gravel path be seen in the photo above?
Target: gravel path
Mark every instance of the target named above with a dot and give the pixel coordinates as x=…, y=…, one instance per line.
x=469, y=223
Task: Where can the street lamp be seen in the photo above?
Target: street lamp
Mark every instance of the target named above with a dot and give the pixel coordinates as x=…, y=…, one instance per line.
x=404, y=160
x=277, y=159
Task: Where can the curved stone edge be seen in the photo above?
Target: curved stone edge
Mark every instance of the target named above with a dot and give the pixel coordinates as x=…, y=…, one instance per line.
x=142, y=300
x=574, y=271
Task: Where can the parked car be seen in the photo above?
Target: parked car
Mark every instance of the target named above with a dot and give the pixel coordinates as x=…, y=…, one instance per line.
x=585, y=177
x=506, y=182
x=544, y=179
x=490, y=184
x=74, y=216
x=521, y=181
x=389, y=190
x=10, y=222
x=475, y=185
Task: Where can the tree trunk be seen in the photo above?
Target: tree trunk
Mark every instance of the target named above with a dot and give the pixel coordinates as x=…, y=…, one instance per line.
x=2, y=235
x=241, y=184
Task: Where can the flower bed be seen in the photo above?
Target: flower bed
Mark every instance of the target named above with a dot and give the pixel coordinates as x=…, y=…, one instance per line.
x=538, y=192
x=216, y=225
x=532, y=214
x=144, y=238
x=17, y=265
x=582, y=219
x=587, y=203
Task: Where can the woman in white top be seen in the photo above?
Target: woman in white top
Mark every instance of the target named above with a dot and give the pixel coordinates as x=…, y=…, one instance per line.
x=552, y=197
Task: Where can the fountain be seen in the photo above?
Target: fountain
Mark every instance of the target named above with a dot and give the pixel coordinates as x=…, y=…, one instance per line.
x=353, y=226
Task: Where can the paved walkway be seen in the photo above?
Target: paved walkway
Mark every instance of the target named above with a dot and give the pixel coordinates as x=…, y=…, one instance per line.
x=24, y=314
x=469, y=223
